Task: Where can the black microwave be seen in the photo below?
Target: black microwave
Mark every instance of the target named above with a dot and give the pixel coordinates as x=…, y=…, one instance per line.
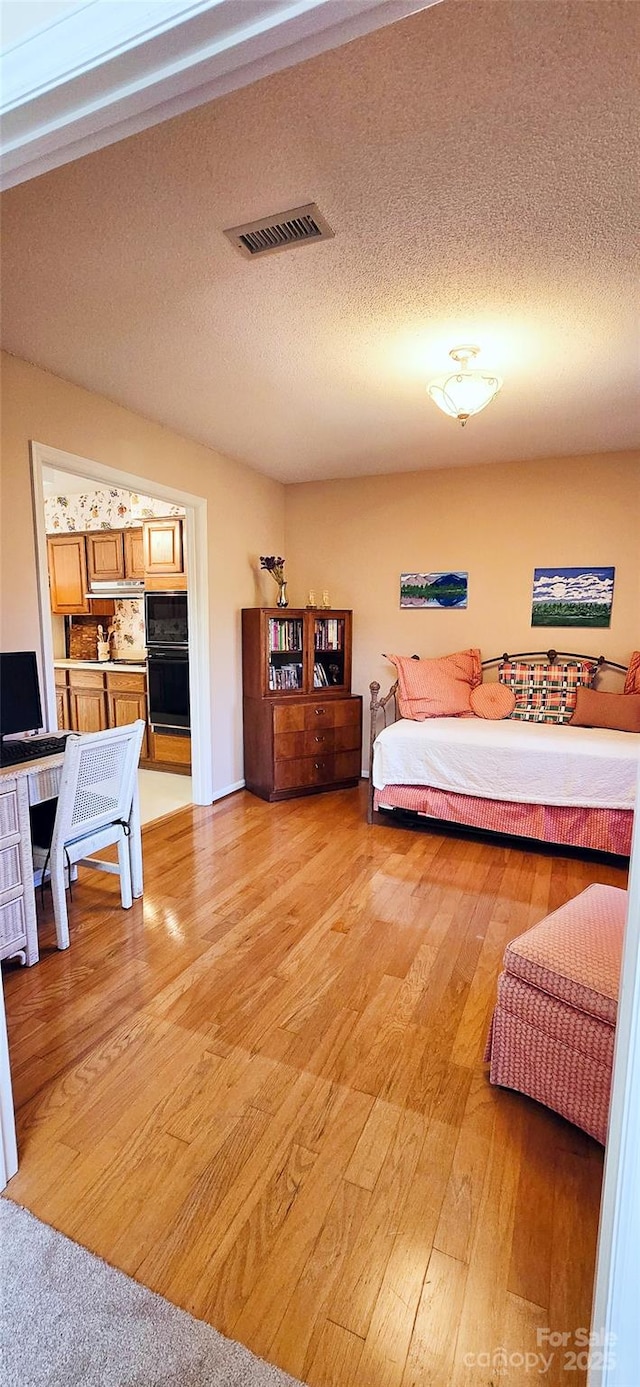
x=165, y=619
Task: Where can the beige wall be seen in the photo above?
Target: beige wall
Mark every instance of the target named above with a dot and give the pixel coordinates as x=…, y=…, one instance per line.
x=354, y=537
x=245, y=516
x=498, y=522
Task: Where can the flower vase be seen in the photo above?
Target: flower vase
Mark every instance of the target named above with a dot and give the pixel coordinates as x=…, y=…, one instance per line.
x=283, y=600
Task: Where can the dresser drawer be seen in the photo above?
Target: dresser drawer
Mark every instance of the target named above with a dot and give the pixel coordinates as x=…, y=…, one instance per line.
x=317, y=743
x=303, y=772
x=288, y=717
x=12, y=922
x=10, y=873
x=8, y=814
x=339, y=712
x=307, y=717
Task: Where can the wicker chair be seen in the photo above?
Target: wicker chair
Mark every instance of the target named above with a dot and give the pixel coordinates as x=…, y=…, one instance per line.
x=93, y=812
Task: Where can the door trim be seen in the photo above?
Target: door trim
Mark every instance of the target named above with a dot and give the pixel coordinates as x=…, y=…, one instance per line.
x=615, y=1308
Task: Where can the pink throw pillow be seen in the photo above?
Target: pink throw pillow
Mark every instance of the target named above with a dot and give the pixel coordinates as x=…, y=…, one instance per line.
x=492, y=701
x=632, y=681
x=439, y=688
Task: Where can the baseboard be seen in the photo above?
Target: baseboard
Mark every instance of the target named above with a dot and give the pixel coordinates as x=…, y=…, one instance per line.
x=228, y=790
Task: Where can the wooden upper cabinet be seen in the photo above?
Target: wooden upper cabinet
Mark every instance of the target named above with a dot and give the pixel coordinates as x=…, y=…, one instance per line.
x=133, y=554
x=67, y=557
x=163, y=553
x=105, y=555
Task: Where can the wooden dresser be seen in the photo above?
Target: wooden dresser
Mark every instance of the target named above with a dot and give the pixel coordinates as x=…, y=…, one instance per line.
x=302, y=725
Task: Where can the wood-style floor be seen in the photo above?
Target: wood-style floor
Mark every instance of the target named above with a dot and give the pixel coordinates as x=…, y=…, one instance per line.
x=261, y=1093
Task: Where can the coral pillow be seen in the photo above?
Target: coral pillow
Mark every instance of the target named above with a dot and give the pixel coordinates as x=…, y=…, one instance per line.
x=619, y=712
x=438, y=688
x=492, y=701
x=632, y=681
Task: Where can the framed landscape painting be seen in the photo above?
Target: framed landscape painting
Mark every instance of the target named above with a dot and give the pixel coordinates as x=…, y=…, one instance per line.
x=572, y=596
x=433, y=589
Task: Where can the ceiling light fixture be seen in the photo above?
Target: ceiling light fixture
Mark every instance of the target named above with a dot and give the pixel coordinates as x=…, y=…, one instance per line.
x=464, y=391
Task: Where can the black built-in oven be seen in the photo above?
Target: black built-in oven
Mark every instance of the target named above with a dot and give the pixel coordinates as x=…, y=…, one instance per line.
x=168, y=683
x=165, y=619
x=167, y=636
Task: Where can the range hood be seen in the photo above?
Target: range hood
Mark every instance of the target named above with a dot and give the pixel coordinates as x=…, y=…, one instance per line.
x=118, y=587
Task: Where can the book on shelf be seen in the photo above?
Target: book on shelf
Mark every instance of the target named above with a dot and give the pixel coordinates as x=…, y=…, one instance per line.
x=285, y=634
x=285, y=677
x=329, y=633
x=320, y=676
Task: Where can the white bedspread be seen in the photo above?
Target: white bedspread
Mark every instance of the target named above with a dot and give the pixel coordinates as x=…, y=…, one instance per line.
x=526, y=762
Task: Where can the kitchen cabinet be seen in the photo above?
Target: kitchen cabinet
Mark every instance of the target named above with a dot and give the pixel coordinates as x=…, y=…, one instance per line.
x=133, y=553
x=115, y=554
x=105, y=555
x=172, y=753
x=87, y=701
x=62, y=700
x=152, y=552
x=127, y=701
x=67, y=560
x=163, y=544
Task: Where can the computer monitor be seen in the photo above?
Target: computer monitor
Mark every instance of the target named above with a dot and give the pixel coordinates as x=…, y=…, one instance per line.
x=20, y=705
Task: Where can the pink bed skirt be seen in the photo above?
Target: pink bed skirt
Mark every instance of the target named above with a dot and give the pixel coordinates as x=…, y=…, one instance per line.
x=604, y=830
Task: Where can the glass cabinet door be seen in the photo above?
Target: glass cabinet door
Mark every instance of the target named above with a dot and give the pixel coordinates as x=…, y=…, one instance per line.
x=285, y=654
x=329, y=651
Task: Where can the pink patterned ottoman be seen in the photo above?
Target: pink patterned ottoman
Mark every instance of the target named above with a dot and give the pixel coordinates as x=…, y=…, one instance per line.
x=553, y=1027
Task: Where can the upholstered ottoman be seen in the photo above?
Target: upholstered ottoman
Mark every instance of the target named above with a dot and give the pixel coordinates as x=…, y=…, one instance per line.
x=553, y=1027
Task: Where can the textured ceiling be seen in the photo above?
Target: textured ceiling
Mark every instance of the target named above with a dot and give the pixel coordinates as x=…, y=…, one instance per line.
x=479, y=165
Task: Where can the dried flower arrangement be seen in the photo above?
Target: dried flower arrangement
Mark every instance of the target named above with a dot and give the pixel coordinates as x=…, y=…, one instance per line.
x=274, y=564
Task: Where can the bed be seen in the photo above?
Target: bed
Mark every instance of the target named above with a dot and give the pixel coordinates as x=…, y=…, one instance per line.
x=571, y=786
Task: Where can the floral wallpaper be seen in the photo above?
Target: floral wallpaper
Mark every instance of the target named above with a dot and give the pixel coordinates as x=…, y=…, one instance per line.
x=144, y=508
x=128, y=627
x=107, y=509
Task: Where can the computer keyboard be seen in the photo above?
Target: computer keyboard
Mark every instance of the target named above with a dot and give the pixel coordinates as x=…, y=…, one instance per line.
x=31, y=749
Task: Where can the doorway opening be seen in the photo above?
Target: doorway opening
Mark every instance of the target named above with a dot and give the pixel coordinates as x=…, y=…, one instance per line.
x=140, y=545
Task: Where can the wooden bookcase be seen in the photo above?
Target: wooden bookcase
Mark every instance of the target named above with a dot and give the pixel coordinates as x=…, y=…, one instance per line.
x=302, y=725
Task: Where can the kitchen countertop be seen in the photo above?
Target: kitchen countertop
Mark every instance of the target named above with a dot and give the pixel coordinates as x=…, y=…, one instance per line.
x=116, y=666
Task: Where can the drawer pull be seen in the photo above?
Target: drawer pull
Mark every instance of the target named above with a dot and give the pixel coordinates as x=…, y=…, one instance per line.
x=319, y=711
x=319, y=765
x=319, y=739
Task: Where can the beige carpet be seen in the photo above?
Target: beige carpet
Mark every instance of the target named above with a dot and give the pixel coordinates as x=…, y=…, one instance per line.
x=69, y=1320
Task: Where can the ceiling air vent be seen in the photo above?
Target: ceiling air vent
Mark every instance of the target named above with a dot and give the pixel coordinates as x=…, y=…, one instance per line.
x=301, y=226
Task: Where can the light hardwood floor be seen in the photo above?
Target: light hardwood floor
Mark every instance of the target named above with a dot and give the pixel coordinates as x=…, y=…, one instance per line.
x=261, y=1093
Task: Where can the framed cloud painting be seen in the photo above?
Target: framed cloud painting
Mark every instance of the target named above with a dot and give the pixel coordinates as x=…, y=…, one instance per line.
x=434, y=589
x=572, y=596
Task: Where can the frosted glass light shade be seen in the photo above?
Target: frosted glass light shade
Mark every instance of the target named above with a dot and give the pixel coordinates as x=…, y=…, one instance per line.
x=463, y=393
